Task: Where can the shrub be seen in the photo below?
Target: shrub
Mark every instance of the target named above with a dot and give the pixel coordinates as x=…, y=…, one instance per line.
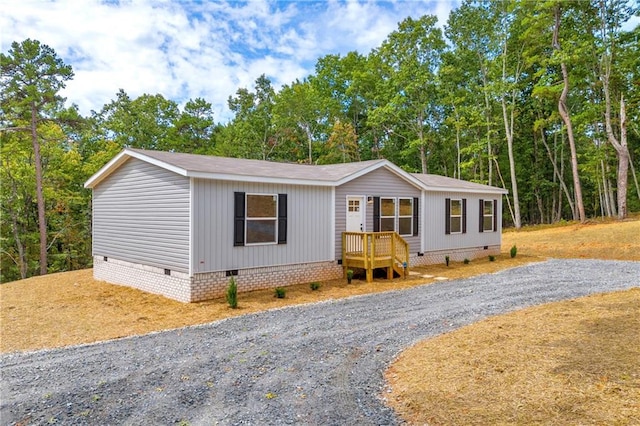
x=314, y=285
x=466, y=261
x=514, y=251
x=280, y=292
x=446, y=260
x=232, y=294
x=491, y=258
x=349, y=276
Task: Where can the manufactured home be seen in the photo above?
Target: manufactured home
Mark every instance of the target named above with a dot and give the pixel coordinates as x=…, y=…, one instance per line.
x=182, y=225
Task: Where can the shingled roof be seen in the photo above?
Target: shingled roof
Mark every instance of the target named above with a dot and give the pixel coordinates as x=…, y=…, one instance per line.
x=238, y=169
x=437, y=182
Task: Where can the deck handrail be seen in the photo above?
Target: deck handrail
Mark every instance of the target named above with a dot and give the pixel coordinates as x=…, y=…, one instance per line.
x=371, y=250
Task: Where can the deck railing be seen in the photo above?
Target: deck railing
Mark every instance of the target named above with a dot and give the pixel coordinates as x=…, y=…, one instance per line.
x=372, y=250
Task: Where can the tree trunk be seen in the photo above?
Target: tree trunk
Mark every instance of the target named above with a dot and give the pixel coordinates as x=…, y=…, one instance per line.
x=622, y=151
x=557, y=172
x=508, y=128
x=42, y=224
x=15, y=228
x=566, y=117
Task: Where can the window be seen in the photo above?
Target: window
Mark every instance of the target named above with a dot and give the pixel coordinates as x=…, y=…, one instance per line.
x=455, y=216
x=354, y=206
x=395, y=214
x=488, y=218
x=260, y=219
x=405, y=216
x=387, y=214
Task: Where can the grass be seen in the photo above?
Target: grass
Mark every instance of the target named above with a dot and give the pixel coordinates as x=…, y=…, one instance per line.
x=564, y=363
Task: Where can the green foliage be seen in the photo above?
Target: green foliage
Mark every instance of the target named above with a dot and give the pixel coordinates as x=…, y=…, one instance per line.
x=280, y=292
x=492, y=258
x=314, y=285
x=513, y=251
x=465, y=261
x=232, y=294
x=446, y=260
x=349, y=275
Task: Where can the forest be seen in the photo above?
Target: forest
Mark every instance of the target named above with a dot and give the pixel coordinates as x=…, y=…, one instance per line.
x=541, y=98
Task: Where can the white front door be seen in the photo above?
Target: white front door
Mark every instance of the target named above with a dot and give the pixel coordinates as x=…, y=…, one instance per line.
x=355, y=214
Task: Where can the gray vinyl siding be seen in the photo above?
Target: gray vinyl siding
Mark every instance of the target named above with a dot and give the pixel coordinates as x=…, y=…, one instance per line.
x=141, y=215
x=308, y=225
x=378, y=183
x=433, y=219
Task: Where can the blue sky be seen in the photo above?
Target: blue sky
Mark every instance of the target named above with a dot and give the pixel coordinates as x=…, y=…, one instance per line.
x=208, y=49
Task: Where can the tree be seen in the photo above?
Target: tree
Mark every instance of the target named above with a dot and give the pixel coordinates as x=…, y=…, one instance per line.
x=563, y=109
x=412, y=55
x=31, y=79
x=611, y=14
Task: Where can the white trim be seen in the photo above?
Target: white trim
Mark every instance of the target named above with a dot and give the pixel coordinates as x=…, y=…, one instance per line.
x=422, y=221
x=398, y=216
x=451, y=215
x=191, y=221
x=484, y=216
x=258, y=219
x=332, y=226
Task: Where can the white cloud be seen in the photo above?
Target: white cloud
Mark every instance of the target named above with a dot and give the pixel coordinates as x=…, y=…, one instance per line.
x=185, y=50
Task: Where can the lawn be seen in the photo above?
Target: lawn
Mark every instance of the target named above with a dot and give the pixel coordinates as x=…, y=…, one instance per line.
x=547, y=381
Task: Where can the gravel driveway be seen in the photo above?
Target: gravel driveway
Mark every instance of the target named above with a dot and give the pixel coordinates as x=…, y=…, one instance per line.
x=317, y=364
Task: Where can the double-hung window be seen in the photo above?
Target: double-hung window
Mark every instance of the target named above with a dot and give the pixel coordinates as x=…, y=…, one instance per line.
x=488, y=218
x=260, y=219
x=395, y=214
x=387, y=214
x=455, y=216
x=405, y=216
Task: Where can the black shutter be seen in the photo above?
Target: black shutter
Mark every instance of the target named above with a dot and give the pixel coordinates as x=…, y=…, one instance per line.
x=481, y=216
x=464, y=215
x=282, y=218
x=376, y=214
x=415, y=216
x=447, y=215
x=495, y=215
x=238, y=221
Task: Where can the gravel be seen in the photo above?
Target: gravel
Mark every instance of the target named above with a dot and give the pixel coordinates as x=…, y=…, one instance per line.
x=315, y=364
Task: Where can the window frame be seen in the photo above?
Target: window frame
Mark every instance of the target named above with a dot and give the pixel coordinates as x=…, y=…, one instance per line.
x=452, y=216
x=410, y=216
x=395, y=213
x=486, y=216
x=273, y=219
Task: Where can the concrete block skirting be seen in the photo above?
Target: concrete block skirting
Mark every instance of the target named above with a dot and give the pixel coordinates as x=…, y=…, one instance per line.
x=203, y=286
x=455, y=255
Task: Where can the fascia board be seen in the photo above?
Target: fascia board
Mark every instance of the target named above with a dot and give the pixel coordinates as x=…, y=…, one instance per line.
x=388, y=165
x=467, y=190
x=260, y=179
x=120, y=159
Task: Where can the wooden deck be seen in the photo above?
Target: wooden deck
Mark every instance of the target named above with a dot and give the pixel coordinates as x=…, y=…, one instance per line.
x=373, y=250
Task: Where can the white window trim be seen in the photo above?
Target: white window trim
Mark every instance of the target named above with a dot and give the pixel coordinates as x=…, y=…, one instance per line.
x=395, y=213
x=410, y=216
x=247, y=219
x=484, y=216
x=451, y=215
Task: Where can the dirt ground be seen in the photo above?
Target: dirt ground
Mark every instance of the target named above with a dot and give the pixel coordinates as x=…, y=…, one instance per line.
x=71, y=308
